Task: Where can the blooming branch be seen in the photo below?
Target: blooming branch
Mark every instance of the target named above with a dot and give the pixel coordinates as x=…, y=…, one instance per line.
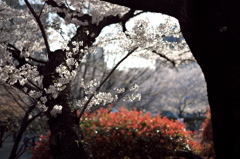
x=97, y=89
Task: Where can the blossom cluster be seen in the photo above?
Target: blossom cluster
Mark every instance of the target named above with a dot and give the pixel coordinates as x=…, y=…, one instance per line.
x=77, y=48
x=41, y=104
x=13, y=24
x=132, y=97
x=149, y=39
x=103, y=98
x=11, y=75
x=89, y=87
x=57, y=109
x=100, y=98
x=119, y=90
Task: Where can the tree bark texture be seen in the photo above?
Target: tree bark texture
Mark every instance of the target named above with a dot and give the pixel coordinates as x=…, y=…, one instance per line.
x=212, y=31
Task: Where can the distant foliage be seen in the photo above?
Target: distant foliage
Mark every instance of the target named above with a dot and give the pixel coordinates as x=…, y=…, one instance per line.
x=129, y=134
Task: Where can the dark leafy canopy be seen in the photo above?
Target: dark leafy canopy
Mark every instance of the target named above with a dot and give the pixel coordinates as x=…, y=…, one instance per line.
x=211, y=29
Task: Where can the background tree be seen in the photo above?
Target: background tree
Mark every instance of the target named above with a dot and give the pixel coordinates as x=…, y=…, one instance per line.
x=187, y=90
x=19, y=117
x=10, y=113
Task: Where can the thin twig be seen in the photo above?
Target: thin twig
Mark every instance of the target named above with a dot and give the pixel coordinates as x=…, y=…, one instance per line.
x=19, y=104
x=35, y=85
x=42, y=10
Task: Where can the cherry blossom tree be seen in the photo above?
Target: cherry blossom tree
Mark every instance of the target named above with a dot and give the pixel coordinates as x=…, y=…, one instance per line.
x=211, y=30
x=44, y=75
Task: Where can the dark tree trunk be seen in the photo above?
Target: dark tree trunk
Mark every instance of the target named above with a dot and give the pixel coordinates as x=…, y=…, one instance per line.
x=66, y=140
x=212, y=31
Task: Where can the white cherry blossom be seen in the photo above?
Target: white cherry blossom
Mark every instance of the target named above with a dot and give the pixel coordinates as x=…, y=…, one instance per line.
x=57, y=109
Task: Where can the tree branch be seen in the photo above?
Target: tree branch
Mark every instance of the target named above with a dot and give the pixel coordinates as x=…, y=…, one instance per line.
x=94, y=30
x=42, y=10
x=165, y=57
x=170, y=7
x=16, y=54
x=84, y=17
x=97, y=89
x=24, y=125
x=37, y=18
x=28, y=122
x=13, y=97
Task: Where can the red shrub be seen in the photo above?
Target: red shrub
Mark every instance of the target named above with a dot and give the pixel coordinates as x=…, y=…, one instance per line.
x=130, y=134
